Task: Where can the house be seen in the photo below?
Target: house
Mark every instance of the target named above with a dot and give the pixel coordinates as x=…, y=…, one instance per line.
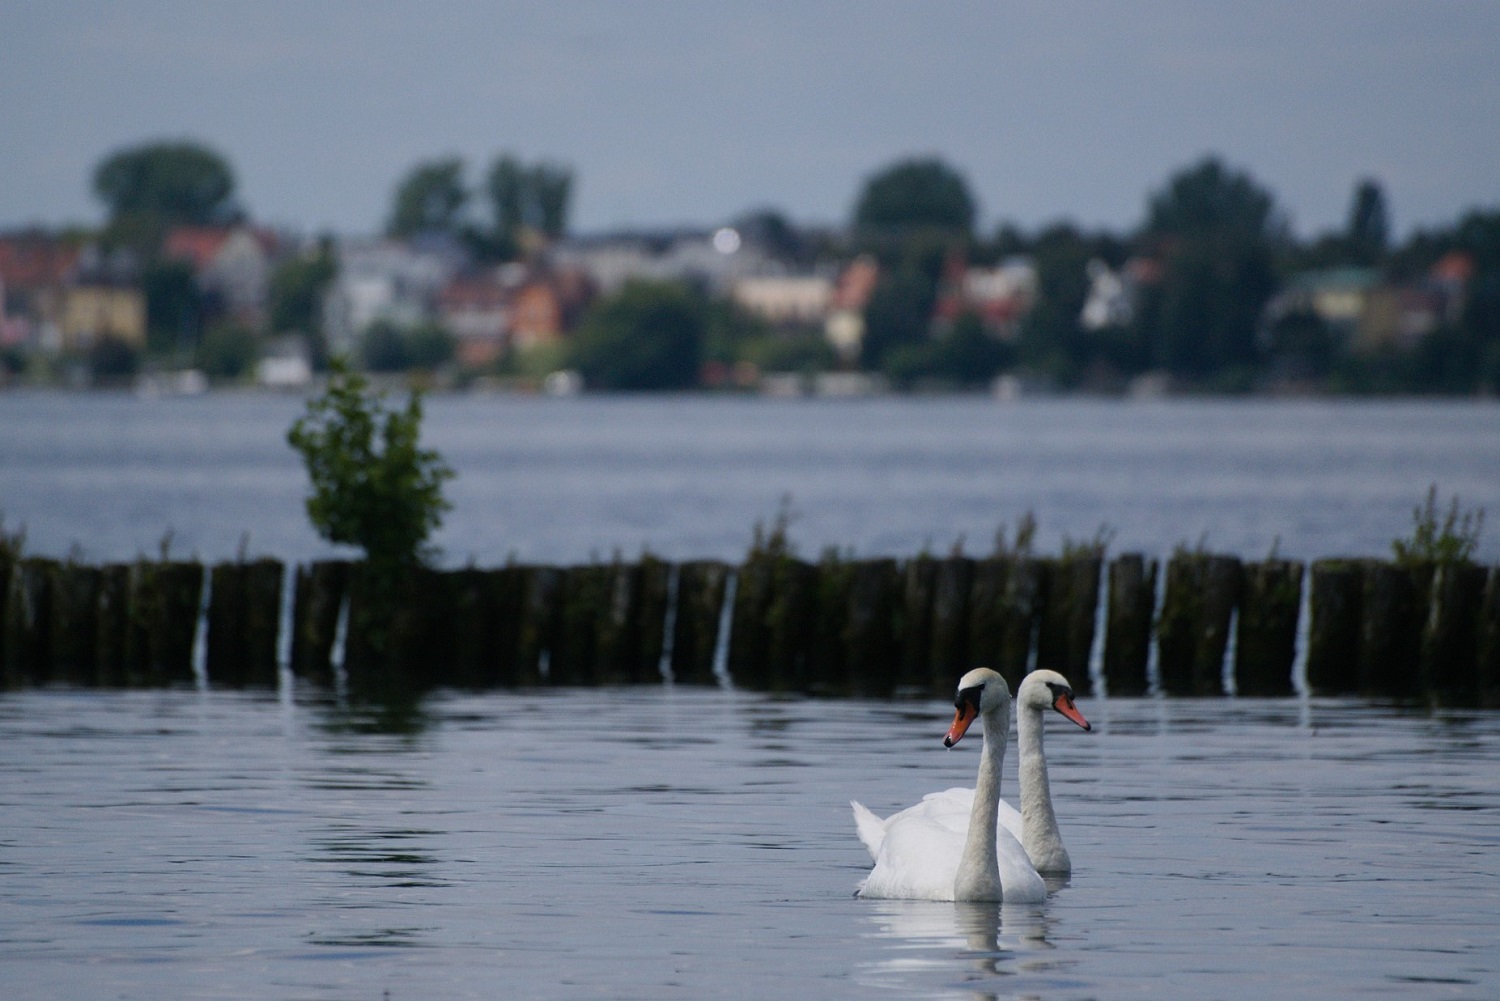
x=715, y=259
x=785, y=301
x=232, y=262
x=97, y=311
x=34, y=270
x=382, y=279
x=476, y=310
x=845, y=325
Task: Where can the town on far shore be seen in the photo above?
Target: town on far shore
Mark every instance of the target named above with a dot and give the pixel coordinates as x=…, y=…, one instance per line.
x=483, y=286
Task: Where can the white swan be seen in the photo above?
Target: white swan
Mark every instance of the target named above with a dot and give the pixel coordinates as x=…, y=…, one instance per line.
x=952, y=845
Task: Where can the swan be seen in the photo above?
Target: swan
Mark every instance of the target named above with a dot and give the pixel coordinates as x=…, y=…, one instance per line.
x=953, y=845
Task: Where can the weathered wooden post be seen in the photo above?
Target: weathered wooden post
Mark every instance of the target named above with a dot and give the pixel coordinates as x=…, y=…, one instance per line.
x=1127, y=628
x=74, y=625
x=1450, y=648
x=1488, y=642
x=320, y=590
x=791, y=620
x=1201, y=594
x=749, y=624
x=164, y=605
x=586, y=595
x=28, y=622
x=871, y=627
x=1333, y=642
x=1065, y=631
x=653, y=580
x=988, y=619
x=949, y=657
x=827, y=668
x=918, y=584
x=1266, y=637
x=1393, y=611
x=475, y=621
x=541, y=621
x=701, y=587
x=112, y=618
x=244, y=618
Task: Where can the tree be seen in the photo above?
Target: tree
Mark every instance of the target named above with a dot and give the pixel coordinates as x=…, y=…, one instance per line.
x=915, y=194
x=430, y=198
x=522, y=198
x=1213, y=229
x=174, y=306
x=296, y=291
x=649, y=335
x=1368, y=227
x=151, y=187
x=373, y=486
x=1211, y=199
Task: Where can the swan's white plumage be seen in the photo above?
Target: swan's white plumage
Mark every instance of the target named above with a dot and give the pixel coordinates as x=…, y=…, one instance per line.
x=918, y=851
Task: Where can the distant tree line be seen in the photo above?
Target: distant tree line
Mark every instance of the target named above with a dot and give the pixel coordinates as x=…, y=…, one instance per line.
x=1213, y=249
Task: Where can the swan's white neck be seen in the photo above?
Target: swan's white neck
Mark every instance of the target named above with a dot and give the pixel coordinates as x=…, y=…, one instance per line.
x=979, y=868
x=1039, y=834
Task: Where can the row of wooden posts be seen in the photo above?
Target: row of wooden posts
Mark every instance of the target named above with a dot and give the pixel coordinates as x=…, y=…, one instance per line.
x=872, y=627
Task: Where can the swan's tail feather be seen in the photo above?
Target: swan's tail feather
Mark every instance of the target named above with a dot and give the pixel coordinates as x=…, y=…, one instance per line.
x=870, y=827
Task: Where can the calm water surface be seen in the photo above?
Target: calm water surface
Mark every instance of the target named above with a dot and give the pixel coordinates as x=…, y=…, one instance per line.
x=671, y=843
x=688, y=476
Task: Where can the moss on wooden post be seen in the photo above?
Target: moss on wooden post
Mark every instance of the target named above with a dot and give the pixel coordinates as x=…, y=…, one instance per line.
x=1266, y=637
x=1333, y=642
x=1450, y=648
x=701, y=586
x=74, y=625
x=1393, y=611
x=918, y=583
x=1127, y=635
x=1065, y=630
x=320, y=591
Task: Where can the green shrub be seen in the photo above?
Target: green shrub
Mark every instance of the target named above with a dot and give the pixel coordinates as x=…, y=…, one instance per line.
x=1451, y=540
x=385, y=497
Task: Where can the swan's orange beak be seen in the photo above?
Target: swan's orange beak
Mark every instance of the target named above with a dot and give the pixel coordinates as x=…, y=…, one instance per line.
x=966, y=715
x=1064, y=704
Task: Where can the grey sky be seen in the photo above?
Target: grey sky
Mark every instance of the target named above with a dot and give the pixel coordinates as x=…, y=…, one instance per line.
x=696, y=111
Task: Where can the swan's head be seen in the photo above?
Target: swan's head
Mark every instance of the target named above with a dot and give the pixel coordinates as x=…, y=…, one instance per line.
x=980, y=691
x=1049, y=690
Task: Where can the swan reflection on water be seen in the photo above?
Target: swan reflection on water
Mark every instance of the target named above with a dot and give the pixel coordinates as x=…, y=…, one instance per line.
x=964, y=949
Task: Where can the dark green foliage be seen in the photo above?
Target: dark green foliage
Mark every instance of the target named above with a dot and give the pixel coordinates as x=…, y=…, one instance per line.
x=916, y=194
x=169, y=182
x=174, y=306
x=228, y=351
x=373, y=486
x=1453, y=539
x=430, y=198
x=296, y=291
x=112, y=360
x=649, y=335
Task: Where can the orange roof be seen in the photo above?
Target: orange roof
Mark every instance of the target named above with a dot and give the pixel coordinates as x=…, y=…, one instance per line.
x=35, y=261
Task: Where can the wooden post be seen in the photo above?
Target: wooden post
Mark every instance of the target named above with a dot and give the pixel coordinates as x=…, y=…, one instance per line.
x=1065, y=633
x=74, y=625
x=653, y=578
x=701, y=586
x=1193, y=632
x=1393, y=612
x=244, y=622
x=28, y=623
x=919, y=582
x=791, y=619
x=827, y=667
x=617, y=636
x=1450, y=650
x=1177, y=625
x=1127, y=636
x=1333, y=641
x=1266, y=638
x=541, y=621
x=320, y=591
x=1487, y=643
x=112, y=618
x=988, y=620
x=949, y=658
x=870, y=637
x=474, y=624
x=227, y=661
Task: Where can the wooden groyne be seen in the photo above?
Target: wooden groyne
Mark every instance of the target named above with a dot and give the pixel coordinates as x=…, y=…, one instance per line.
x=1199, y=624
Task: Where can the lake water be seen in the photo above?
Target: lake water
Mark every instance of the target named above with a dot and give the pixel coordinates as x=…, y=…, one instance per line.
x=568, y=480
x=671, y=843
